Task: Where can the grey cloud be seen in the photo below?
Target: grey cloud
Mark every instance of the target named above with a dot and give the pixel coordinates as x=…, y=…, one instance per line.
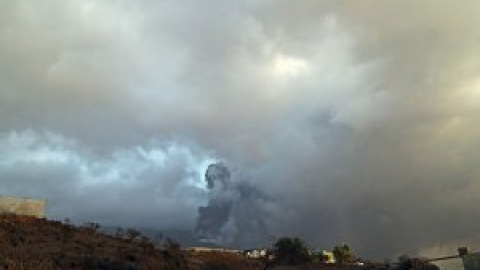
x=359, y=119
x=141, y=186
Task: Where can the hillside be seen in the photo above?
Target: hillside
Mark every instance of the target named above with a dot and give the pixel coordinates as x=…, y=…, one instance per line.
x=30, y=243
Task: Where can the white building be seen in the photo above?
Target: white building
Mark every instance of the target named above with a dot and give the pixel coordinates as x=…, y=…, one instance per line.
x=255, y=253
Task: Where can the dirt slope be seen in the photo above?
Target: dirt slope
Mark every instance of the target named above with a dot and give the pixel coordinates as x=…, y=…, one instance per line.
x=31, y=243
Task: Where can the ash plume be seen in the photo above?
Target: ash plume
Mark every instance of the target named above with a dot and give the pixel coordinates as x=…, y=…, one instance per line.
x=213, y=217
x=235, y=210
x=217, y=172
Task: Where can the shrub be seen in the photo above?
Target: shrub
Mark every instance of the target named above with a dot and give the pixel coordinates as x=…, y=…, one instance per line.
x=292, y=251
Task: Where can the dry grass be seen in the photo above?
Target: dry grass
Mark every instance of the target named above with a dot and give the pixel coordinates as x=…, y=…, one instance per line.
x=28, y=243
x=31, y=243
x=220, y=261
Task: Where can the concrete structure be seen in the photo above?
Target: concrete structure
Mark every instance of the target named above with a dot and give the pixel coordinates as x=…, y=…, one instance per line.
x=22, y=206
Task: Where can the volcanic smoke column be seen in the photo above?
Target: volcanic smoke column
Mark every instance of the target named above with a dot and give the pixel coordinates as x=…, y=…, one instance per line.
x=213, y=217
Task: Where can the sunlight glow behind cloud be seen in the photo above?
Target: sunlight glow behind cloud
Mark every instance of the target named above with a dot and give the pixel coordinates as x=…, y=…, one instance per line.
x=284, y=66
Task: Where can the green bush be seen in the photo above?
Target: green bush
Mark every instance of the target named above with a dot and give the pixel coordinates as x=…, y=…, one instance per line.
x=292, y=251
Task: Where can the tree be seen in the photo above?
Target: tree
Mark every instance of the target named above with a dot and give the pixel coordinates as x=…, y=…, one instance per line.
x=319, y=257
x=292, y=251
x=343, y=254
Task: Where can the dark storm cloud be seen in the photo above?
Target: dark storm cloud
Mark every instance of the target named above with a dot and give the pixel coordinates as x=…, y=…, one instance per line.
x=129, y=186
x=359, y=118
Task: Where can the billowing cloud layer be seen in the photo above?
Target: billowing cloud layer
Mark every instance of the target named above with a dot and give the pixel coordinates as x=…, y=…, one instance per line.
x=359, y=118
x=126, y=187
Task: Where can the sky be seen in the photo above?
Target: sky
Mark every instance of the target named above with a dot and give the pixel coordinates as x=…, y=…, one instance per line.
x=340, y=121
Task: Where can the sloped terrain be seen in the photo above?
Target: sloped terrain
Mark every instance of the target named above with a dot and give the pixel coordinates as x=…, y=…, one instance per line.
x=31, y=243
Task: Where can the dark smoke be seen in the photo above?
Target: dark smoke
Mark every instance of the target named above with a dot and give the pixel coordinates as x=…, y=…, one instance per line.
x=235, y=213
x=213, y=217
x=217, y=173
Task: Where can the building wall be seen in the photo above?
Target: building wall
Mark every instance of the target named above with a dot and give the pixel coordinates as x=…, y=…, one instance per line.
x=23, y=206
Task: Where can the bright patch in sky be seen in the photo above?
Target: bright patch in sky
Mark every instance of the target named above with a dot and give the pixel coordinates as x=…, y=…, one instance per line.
x=474, y=91
x=198, y=170
x=288, y=65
